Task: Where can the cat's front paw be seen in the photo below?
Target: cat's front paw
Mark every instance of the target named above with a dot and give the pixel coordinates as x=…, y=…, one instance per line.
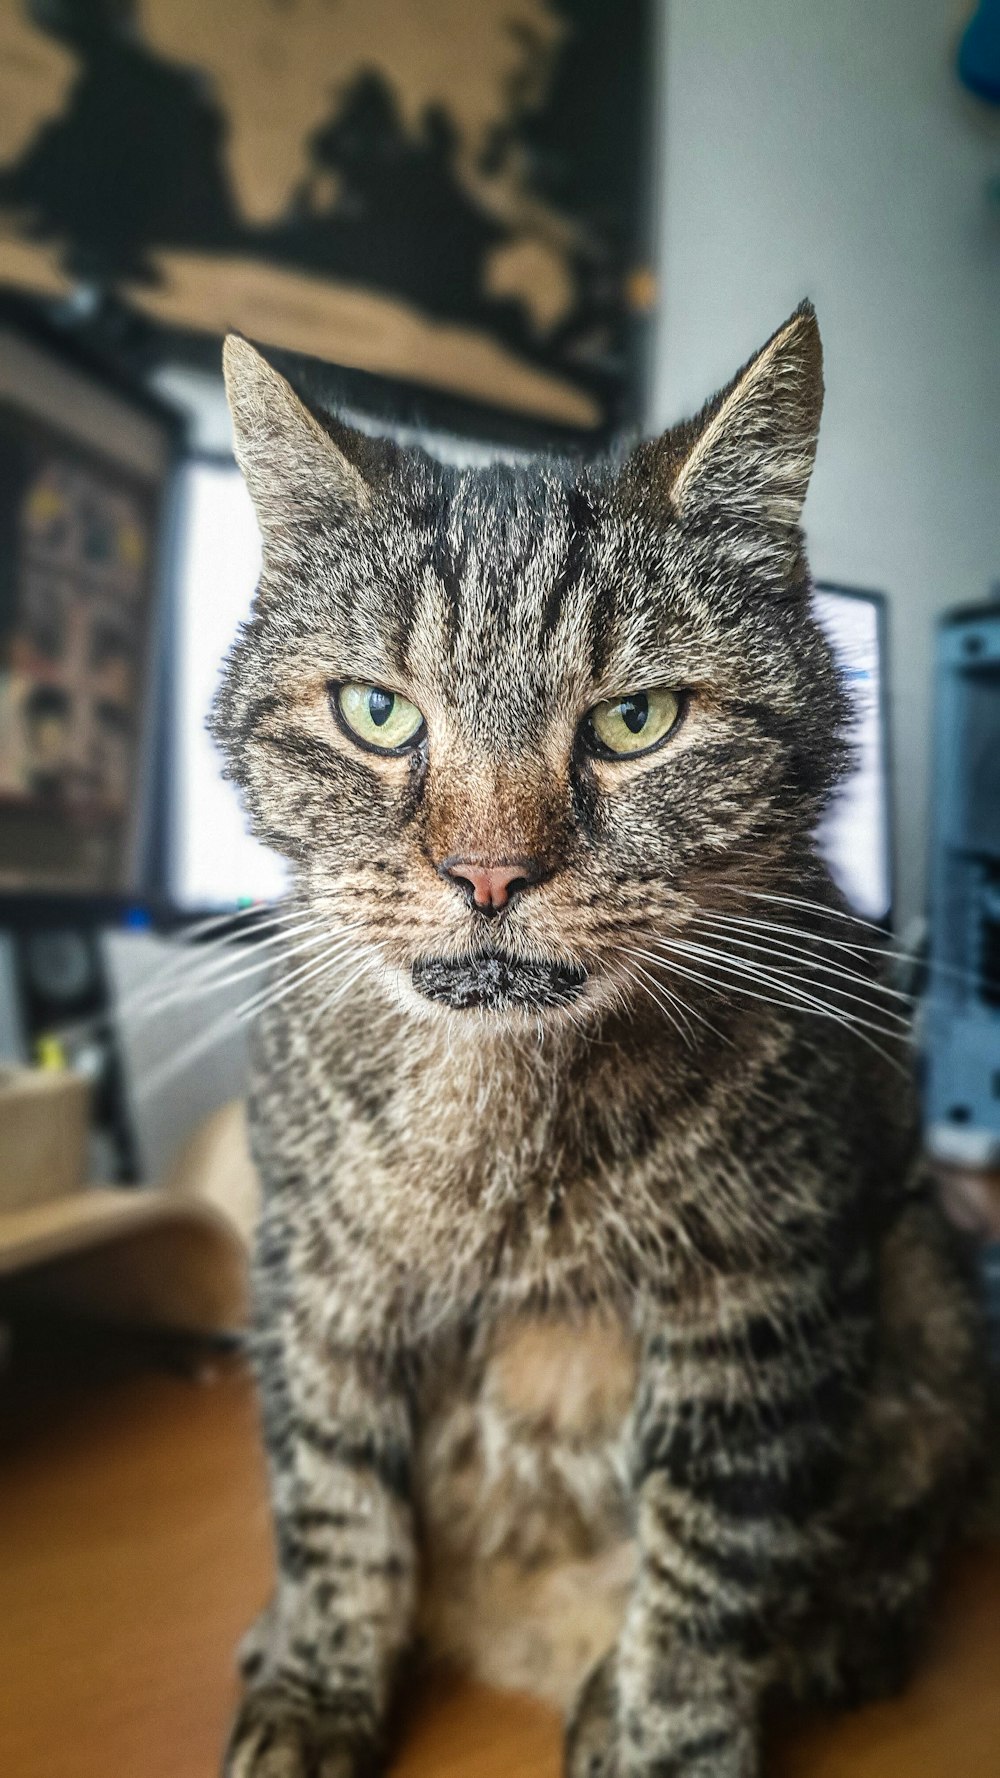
x=590, y=1733
x=277, y=1736
x=604, y=1742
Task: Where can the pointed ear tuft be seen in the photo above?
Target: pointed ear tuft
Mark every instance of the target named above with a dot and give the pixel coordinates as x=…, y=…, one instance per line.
x=748, y=457
x=293, y=469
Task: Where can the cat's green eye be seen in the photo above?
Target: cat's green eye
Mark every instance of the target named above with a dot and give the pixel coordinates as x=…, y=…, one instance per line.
x=619, y=728
x=378, y=718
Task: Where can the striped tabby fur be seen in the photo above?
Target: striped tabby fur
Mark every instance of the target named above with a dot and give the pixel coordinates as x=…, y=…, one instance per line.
x=609, y=1338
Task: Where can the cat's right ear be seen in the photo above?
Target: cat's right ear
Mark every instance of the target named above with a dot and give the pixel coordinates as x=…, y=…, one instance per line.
x=295, y=473
x=739, y=471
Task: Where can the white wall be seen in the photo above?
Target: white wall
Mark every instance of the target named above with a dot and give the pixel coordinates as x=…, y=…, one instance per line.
x=824, y=148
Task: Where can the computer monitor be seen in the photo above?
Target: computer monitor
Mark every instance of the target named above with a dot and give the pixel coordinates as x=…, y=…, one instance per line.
x=216, y=864
x=83, y=472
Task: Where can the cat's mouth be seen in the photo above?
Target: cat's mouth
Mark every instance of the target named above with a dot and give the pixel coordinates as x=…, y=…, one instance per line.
x=491, y=981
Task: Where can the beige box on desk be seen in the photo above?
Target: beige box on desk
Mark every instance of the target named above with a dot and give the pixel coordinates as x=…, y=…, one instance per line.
x=43, y=1136
x=173, y=1255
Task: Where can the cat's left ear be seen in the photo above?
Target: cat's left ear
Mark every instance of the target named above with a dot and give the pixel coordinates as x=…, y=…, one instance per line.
x=742, y=468
x=295, y=471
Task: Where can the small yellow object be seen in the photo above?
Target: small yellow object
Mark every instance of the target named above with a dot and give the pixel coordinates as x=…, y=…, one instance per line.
x=641, y=289
x=50, y=1055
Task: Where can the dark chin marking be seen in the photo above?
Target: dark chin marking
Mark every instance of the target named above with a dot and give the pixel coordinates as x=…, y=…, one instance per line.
x=491, y=981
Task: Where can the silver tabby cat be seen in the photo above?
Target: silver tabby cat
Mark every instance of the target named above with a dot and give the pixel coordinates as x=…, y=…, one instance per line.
x=609, y=1340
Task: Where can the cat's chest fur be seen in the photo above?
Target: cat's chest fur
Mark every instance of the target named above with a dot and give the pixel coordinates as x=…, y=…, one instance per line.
x=447, y=1176
x=472, y=1204
x=524, y=1502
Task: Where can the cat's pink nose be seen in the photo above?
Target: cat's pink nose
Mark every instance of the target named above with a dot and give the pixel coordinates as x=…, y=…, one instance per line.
x=493, y=885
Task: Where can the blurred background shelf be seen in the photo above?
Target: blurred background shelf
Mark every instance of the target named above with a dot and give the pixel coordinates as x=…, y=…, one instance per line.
x=171, y=1256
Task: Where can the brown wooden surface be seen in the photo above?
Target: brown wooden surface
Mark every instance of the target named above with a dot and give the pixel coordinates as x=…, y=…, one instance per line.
x=134, y=1549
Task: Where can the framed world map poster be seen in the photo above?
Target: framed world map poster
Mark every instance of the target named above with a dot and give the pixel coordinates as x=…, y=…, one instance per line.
x=449, y=196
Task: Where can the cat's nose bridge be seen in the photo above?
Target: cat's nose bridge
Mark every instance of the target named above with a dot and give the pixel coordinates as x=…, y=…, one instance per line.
x=504, y=822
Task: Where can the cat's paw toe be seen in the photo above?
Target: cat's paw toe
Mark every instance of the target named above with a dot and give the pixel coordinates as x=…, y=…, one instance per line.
x=275, y=1737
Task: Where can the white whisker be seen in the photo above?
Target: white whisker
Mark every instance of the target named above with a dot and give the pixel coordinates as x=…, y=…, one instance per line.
x=791, y=998
x=646, y=984
x=692, y=1012
x=342, y=987
x=798, y=901
x=787, y=980
x=778, y=949
x=254, y=1005
x=222, y=973
x=185, y=952
x=852, y=947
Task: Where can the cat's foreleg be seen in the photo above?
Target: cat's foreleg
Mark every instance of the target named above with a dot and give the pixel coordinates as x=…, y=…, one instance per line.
x=655, y=1705
x=729, y=1509
x=319, y=1666
x=690, y=1672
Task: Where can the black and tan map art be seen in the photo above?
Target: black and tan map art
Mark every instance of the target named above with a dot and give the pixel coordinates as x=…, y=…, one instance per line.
x=446, y=193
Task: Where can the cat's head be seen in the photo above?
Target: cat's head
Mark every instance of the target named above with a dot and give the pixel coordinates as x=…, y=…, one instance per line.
x=515, y=726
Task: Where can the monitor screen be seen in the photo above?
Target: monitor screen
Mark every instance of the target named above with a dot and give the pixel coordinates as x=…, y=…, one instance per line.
x=855, y=836
x=215, y=862
x=82, y=477
x=218, y=865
